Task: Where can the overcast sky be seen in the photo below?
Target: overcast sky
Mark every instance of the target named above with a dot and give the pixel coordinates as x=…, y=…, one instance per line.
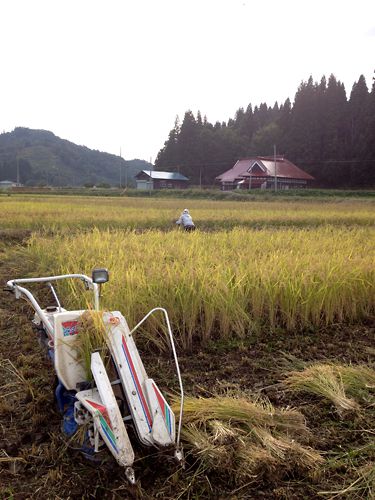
x=114, y=74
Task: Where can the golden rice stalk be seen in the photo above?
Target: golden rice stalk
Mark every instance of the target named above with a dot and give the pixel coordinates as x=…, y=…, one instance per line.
x=276, y=447
x=12, y=459
x=288, y=449
x=359, y=381
x=223, y=433
x=92, y=337
x=242, y=412
x=244, y=439
x=308, y=277
x=213, y=456
x=252, y=461
x=53, y=476
x=322, y=380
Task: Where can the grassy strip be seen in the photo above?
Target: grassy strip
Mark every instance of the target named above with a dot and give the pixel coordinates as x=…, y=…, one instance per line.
x=195, y=193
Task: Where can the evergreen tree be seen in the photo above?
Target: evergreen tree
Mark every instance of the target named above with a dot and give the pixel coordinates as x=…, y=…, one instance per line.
x=248, y=126
x=169, y=158
x=199, y=119
x=359, y=121
x=264, y=140
x=322, y=132
x=335, y=116
x=284, y=121
x=370, y=140
x=188, y=145
x=239, y=119
x=358, y=114
x=304, y=129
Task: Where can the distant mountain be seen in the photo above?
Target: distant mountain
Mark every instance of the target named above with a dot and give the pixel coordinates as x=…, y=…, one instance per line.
x=43, y=158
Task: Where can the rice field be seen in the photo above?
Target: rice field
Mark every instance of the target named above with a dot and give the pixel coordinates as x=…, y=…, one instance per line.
x=272, y=304
x=51, y=213
x=222, y=284
x=258, y=266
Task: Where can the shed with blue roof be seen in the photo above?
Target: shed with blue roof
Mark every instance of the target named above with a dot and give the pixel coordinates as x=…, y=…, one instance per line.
x=155, y=179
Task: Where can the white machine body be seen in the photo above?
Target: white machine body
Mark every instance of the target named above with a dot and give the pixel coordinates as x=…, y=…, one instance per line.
x=130, y=398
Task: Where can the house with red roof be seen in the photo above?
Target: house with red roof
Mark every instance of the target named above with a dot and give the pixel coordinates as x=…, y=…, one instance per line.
x=263, y=172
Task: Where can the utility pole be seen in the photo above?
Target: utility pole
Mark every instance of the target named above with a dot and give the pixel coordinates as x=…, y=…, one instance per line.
x=126, y=176
x=18, y=171
x=150, y=184
x=274, y=158
x=200, y=178
x=120, y=171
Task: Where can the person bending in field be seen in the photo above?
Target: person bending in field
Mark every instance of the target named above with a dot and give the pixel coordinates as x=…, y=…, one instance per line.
x=186, y=221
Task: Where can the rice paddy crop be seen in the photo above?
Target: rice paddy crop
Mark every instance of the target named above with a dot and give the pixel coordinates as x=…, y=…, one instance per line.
x=260, y=267
x=215, y=285
x=52, y=213
x=92, y=337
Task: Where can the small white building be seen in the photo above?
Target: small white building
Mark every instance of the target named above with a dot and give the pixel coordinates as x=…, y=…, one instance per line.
x=8, y=184
x=155, y=179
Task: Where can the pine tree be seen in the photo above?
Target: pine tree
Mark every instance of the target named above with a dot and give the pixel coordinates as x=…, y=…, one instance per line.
x=169, y=156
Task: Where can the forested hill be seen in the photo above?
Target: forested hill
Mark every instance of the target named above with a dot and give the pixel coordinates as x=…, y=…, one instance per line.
x=45, y=159
x=329, y=135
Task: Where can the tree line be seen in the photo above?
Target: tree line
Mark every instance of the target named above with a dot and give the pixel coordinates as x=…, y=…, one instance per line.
x=328, y=135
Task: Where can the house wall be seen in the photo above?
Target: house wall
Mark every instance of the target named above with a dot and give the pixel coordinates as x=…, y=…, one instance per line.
x=269, y=183
x=7, y=185
x=144, y=184
x=160, y=184
x=265, y=183
x=170, y=184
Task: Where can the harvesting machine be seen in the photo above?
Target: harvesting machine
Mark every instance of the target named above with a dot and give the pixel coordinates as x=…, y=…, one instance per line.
x=117, y=396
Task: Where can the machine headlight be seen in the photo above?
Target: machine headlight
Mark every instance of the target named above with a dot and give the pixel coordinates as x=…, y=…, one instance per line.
x=100, y=276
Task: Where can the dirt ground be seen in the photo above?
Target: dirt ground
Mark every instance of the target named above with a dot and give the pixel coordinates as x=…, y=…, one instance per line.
x=36, y=462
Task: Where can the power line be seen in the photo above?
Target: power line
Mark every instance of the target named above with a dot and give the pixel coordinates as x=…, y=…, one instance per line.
x=223, y=162
x=336, y=161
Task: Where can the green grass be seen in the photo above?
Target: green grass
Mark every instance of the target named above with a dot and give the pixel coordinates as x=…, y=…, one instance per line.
x=209, y=193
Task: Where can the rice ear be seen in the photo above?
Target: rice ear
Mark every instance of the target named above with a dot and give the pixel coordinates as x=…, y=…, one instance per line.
x=92, y=337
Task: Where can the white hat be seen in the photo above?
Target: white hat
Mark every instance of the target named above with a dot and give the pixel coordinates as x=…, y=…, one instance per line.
x=186, y=211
